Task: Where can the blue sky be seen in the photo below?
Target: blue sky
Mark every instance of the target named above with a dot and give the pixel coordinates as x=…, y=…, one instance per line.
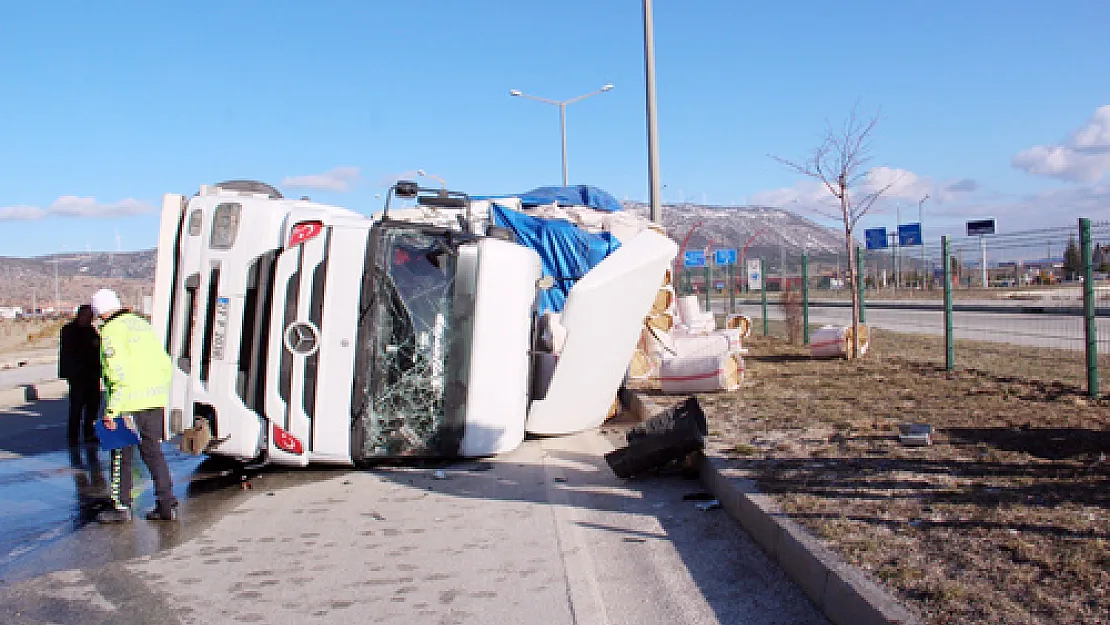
x=991, y=107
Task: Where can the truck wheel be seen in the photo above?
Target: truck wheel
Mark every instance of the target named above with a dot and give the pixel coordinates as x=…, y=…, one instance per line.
x=663, y=439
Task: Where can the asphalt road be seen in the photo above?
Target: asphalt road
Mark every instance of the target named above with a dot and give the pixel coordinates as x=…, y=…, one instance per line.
x=544, y=535
x=19, y=376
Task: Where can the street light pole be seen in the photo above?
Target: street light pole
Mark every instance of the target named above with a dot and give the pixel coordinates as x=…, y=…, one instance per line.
x=441, y=181
x=652, y=126
x=562, y=104
x=563, y=133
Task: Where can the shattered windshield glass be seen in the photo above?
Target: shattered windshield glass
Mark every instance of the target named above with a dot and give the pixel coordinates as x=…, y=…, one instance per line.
x=406, y=346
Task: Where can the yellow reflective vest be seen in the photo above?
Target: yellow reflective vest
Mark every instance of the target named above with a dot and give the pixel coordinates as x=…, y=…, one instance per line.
x=136, y=366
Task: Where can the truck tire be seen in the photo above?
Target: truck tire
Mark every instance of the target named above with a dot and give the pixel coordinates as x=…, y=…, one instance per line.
x=669, y=436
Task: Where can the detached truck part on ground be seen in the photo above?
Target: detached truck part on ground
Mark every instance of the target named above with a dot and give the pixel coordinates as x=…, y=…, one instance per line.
x=302, y=332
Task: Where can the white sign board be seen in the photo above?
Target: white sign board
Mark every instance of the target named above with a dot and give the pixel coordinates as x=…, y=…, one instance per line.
x=755, y=276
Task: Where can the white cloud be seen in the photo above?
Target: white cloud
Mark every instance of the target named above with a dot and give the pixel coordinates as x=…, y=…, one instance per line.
x=905, y=187
x=900, y=184
x=73, y=206
x=1057, y=207
x=1084, y=157
x=20, y=213
x=338, y=179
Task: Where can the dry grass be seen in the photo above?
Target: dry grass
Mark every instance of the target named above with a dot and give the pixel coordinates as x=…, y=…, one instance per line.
x=20, y=334
x=1004, y=519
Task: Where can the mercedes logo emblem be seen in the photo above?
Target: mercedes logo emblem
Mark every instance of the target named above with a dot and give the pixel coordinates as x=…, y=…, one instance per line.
x=302, y=338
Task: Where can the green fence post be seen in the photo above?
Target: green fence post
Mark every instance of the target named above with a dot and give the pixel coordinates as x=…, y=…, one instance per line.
x=805, y=298
x=763, y=291
x=1091, y=330
x=708, y=287
x=861, y=282
x=949, y=351
x=731, y=291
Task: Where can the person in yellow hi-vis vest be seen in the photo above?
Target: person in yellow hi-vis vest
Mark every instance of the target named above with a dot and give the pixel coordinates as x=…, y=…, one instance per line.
x=136, y=372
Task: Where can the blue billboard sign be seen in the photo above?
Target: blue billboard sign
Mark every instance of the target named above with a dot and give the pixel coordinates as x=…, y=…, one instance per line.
x=875, y=238
x=909, y=235
x=724, y=257
x=693, y=258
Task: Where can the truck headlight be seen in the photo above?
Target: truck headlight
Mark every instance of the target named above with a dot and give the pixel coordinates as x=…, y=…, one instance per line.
x=225, y=225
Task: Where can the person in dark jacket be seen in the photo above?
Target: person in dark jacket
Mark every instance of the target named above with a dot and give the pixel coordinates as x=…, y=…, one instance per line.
x=79, y=364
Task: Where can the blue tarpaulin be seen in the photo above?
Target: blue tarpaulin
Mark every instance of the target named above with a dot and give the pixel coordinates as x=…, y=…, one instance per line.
x=566, y=250
x=579, y=195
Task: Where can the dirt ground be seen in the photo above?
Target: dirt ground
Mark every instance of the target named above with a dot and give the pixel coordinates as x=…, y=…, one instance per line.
x=1004, y=519
x=31, y=341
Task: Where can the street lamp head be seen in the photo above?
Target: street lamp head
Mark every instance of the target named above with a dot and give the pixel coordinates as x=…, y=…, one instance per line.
x=516, y=92
x=607, y=87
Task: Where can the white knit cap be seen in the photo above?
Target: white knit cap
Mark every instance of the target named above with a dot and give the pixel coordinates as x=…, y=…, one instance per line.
x=105, y=301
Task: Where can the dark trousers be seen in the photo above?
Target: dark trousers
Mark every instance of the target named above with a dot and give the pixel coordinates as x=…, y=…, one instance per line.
x=150, y=425
x=84, y=409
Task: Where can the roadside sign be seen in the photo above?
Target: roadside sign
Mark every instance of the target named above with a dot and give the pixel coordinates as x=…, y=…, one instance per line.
x=909, y=235
x=755, y=276
x=875, y=238
x=980, y=227
x=693, y=258
x=724, y=257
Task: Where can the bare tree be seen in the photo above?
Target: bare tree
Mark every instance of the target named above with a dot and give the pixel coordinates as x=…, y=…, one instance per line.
x=840, y=163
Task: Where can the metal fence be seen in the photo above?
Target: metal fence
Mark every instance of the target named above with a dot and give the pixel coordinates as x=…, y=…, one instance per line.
x=1031, y=305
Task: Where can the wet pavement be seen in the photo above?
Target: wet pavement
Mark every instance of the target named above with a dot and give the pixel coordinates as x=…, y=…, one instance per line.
x=50, y=493
x=544, y=535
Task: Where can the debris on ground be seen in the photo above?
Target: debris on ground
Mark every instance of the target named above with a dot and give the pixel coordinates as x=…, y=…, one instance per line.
x=668, y=437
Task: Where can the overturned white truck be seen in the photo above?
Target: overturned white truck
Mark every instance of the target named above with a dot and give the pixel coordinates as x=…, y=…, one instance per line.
x=302, y=332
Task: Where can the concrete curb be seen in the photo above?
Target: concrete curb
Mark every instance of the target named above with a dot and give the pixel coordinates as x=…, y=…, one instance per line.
x=30, y=393
x=838, y=589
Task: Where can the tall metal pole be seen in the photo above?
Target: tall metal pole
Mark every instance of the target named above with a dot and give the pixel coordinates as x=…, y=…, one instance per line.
x=1090, y=327
x=652, y=127
x=563, y=132
x=949, y=339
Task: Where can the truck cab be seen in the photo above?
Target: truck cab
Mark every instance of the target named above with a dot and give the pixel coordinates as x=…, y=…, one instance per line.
x=307, y=333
